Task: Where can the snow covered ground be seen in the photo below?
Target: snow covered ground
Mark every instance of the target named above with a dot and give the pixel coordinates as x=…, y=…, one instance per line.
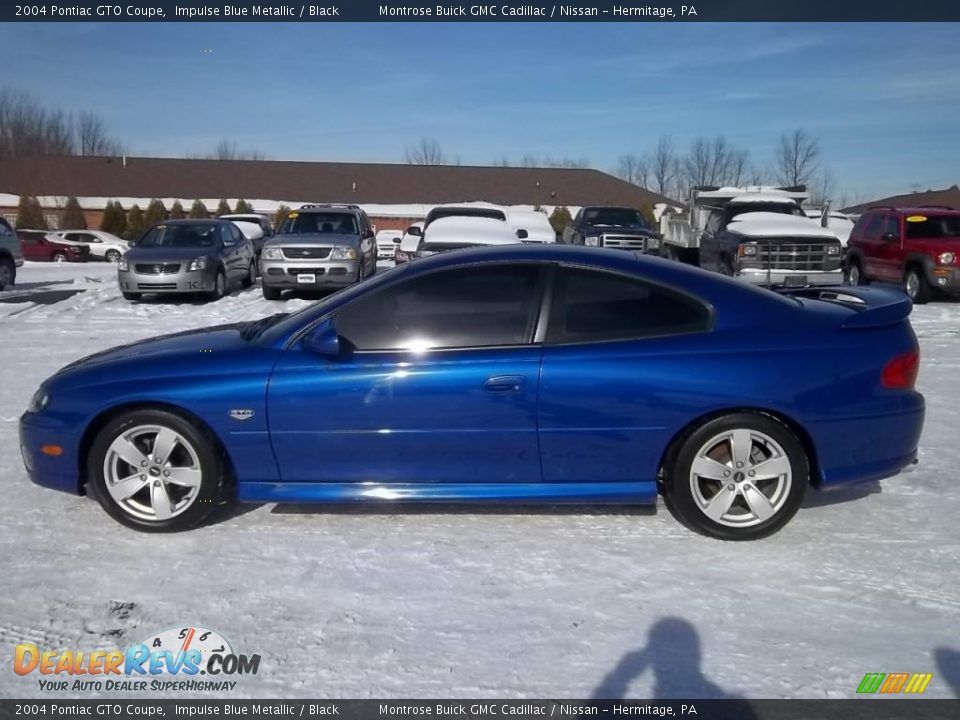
x=439, y=602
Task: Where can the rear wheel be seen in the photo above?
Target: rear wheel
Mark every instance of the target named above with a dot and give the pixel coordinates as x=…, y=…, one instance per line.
x=738, y=477
x=59, y=257
x=270, y=293
x=915, y=285
x=154, y=471
x=112, y=256
x=8, y=273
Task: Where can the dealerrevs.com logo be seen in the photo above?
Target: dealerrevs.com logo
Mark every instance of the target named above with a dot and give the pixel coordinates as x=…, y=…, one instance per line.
x=186, y=659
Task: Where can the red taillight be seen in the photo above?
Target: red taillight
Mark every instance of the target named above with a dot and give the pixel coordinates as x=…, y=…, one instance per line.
x=901, y=372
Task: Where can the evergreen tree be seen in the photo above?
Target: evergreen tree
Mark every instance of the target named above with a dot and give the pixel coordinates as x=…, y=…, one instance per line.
x=559, y=219
x=136, y=223
x=223, y=208
x=280, y=215
x=73, y=217
x=177, y=212
x=646, y=209
x=114, y=219
x=243, y=207
x=198, y=211
x=156, y=213
x=30, y=214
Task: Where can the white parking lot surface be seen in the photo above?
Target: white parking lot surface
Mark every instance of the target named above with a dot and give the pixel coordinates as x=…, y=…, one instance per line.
x=435, y=602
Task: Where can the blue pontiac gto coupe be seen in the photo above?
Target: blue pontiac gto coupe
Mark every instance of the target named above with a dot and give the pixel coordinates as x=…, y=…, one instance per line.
x=506, y=374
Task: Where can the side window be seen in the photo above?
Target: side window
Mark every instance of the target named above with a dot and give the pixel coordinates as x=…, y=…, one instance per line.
x=592, y=306
x=891, y=225
x=712, y=226
x=458, y=308
x=873, y=228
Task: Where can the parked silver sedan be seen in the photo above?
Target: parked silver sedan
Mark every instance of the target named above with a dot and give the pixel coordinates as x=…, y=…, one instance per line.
x=187, y=256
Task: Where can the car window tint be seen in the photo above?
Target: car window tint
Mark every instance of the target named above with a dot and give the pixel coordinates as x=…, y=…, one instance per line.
x=873, y=227
x=933, y=226
x=463, y=307
x=590, y=305
x=891, y=225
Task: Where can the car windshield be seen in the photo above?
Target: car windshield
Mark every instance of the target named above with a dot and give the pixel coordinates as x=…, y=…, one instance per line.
x=733, y=211
x=180, y=236
x=933, y=226
x=272, y=329
x=615, y=217
x=312, y=223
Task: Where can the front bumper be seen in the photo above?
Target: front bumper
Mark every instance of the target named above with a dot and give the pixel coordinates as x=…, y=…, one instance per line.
x=308, y=273
x=790, y=278
x=59, y=472
x=183, y=281
x=946, y=279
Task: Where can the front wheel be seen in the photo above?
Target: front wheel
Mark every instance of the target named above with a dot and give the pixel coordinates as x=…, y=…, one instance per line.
x=154, y=471
x=737, y=477
x=270, y=293
x=8, y=273
x=916, y=287
x=251, y=276
x=855, y=277
x=132, y=297
x=219, y=286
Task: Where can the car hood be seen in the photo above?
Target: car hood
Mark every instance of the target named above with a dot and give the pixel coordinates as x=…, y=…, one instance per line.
x=188, y=343
x=778, y=225
x=173, y=254
x=313, y=240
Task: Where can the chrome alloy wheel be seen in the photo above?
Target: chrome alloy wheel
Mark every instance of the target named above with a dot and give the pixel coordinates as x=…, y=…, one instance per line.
x=152, y=472
x=741, y=478
x=911, y=284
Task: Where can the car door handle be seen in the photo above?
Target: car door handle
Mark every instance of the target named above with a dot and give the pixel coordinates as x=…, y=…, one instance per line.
x=505, y=383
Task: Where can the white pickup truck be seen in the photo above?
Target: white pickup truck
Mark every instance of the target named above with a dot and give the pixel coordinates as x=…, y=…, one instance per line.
x=758, y=234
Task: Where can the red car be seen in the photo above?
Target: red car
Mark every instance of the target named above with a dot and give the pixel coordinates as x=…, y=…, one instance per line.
x=918, y=248
x=41, y=246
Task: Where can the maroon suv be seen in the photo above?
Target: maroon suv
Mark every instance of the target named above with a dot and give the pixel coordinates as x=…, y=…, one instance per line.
x=41, y=246
x=918, y=248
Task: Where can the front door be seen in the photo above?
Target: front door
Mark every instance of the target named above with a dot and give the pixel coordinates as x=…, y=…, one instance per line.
x=437, y=382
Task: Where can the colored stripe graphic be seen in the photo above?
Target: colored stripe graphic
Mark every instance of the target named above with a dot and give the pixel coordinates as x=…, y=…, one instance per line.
x=894, y=682
x=871, y=682
x=918, y=682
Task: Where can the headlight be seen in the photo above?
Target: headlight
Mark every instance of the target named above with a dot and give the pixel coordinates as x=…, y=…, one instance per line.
x=833, y=249
x=592, y=241
x=271, y=253
x=123, y=264
x=199, y=263
x=946, y=258
x=39, y=401
x=748, y=250
x=343, y=253
x=653, y=242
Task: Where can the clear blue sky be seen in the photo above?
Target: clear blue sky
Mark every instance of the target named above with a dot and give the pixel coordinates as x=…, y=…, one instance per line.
x=883, y=99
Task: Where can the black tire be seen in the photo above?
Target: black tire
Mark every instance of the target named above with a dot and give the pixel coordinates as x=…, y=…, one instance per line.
x=59, y=257
x=270, y=293
x=112, y=256
x=211, y=463
x=855, y=276
x=8, y=273
x=219, y=286
x=251, y=277
x=677, y=482
x=915, y=285
x=132, y=297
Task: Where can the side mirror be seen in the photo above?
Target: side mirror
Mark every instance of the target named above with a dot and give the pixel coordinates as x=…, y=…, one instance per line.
x=522, y=234
x=415, y=231
x=322, y=340
x=889, y=237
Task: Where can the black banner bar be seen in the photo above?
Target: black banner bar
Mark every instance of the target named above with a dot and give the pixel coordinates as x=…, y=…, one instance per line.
x=854, y=709
x=577, y=11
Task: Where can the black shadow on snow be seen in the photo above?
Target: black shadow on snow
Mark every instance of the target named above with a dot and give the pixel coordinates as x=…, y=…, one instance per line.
x=948, y=663
x=673, y=655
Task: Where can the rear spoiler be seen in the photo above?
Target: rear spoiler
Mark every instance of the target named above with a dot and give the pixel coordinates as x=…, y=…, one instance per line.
x=875, y=307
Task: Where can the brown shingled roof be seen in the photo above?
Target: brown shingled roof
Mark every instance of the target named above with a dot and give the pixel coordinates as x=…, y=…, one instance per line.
x=317, y=181
x=949, y=197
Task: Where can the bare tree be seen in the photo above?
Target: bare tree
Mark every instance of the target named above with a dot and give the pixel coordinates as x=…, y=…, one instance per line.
x=664, y=166
x=796, y=158
x=93, y=138
x=821, y=190
x=634, y=169
x=229, y=150
x=426, y=152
